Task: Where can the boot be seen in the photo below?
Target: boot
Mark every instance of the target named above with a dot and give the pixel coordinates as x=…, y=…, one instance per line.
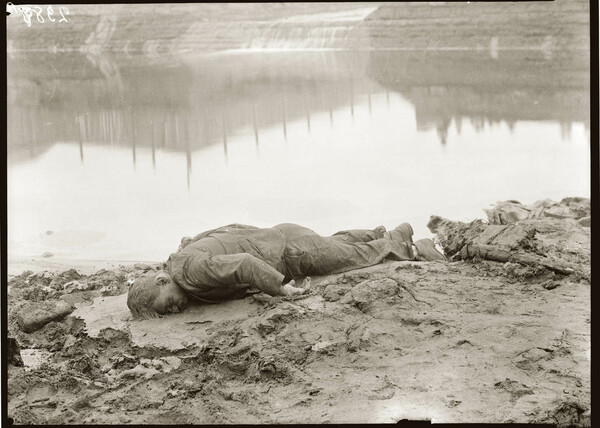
x=379, y=230
x=426, y=251
x=402, y=233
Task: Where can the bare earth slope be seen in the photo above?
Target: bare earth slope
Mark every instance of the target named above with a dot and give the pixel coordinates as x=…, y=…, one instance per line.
x=460, y=341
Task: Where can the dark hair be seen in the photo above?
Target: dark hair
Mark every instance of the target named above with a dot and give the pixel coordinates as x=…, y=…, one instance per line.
x=141, y=295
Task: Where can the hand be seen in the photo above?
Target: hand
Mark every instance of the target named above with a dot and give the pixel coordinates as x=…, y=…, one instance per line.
x=290, y=289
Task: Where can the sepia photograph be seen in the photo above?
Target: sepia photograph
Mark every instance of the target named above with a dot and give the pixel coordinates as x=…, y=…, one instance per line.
x=298, y=213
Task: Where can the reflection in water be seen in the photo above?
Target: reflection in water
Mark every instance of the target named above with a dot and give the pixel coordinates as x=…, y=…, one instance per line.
x=509, y=89
x=531, y=62
x=352, y=98
x=208, y=113
x=254, y=124
x=224, y=134
x=514, y=87
x=307, y=114
x=284, y=118
x=490, y=97
x=133, y=134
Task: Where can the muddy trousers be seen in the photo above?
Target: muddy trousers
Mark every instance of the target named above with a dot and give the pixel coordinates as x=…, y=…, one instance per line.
x=218, y=277
x=317, y=255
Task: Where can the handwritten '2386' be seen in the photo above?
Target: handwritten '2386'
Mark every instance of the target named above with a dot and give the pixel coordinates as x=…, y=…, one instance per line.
x=28, y=11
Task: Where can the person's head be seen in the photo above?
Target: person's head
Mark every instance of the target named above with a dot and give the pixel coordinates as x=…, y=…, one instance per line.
x=155, y=293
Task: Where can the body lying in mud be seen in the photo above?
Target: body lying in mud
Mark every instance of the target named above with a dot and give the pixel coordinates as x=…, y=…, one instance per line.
x=231, y=261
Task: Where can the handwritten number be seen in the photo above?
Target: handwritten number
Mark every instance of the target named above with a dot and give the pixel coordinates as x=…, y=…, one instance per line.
x=65, y=10
x=50, y=12
x=27, y=14
x=38, y=12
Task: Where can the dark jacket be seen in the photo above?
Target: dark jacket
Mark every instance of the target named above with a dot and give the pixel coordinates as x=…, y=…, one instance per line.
x=221, y=264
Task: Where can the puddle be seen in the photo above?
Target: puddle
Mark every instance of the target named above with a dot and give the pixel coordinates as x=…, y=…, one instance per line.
x=105, y=312
x=175, y=331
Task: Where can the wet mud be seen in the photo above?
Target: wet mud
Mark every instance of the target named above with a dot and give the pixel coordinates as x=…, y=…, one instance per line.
x=471, y=339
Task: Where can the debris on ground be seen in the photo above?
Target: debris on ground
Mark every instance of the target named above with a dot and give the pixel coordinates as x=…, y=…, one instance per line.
x=552, y=245
x=36, y=315
x=506, y=212
x=13, y=352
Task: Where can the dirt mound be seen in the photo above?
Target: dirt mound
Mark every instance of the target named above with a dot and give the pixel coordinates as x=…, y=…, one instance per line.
x=529, y=248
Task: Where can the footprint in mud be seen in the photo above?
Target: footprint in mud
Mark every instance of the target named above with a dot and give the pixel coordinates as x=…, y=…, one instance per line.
x=325, y=347
x=357, y=337
x=514, y=388
x=527, y=360
x=334, y=292
x=276, y=319
x=532, y=359
x=452, y=403
x=384, y=392
x=41, y=395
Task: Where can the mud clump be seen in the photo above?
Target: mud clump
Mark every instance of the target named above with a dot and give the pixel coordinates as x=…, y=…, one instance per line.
x=334, y=292
x=49, y=285
x=456, y=237
x=515, y=389
x=366, y=294
x=276, y=319
x=109, y=283
x=356, y=338
x=13, y=352
x=52, y=337
x=517, y=272
x=265, y=368
x=35, y=300
x=245, y=363
x=567, y=414
x=84, y=364
x=35, y=316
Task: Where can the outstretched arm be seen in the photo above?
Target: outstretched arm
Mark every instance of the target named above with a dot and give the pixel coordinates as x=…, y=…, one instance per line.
x=231, y=269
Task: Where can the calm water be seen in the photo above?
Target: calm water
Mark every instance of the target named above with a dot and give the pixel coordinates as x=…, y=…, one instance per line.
x=117, y=155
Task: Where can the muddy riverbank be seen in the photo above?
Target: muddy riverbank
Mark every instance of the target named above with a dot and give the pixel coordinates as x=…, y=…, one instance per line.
x=471, y=339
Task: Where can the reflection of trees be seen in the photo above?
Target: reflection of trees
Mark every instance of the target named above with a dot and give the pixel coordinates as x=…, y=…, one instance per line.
x=443, y=88
x=489, y=63
x=179, y=107
x=98, y=68
x=442, y=130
